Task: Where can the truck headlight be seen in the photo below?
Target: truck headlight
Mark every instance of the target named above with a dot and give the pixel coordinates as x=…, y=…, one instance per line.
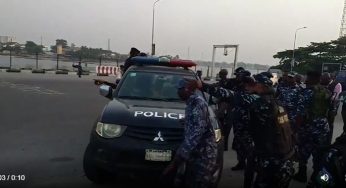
x=218, y=135
x=106, y=130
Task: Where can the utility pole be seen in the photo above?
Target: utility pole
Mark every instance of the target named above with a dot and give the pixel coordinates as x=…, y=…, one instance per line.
x=153, y=30
x=294, y=48
x=343, y=23
x=188, y=52
x=109, y=44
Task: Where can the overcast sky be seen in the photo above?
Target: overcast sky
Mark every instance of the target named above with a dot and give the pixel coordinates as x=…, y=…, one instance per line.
x=260, y=27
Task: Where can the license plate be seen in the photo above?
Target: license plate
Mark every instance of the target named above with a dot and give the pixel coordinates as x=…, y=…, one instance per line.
x=158, y=155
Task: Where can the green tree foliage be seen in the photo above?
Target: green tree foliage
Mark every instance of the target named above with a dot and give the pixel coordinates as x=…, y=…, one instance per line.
x=33, y=48
x=11, y=46
x=313, y=56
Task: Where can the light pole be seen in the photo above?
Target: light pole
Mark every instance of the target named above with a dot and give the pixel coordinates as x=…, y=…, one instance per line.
x=152, y=31
x=11, y=46
x=294, y=46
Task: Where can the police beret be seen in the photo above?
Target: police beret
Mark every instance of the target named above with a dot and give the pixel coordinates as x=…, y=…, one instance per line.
x=268, y=74
x=243, y=73
x=238, y=70
x=263, y=78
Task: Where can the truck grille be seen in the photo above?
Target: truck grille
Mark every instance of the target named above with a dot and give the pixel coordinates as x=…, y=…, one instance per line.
x=149, y=133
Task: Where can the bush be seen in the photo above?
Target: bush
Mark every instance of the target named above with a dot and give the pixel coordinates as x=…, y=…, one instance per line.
x=61, y=72
x=26, y=68
x=13, y=70
x=41, y=71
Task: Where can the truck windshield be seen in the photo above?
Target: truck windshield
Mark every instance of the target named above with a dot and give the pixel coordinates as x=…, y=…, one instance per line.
x=151, y=86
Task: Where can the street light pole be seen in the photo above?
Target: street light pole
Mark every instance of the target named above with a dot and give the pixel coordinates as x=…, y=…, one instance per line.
x=10, y=58
x=294, y=47
x=152, y=31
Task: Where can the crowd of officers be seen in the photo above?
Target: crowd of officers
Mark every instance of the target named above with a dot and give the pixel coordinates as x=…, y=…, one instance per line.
x=276, y=126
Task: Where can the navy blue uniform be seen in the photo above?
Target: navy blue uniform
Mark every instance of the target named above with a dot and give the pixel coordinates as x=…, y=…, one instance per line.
x=242, y=142
x=314, y=132
x=288, y=98
x=199, y=148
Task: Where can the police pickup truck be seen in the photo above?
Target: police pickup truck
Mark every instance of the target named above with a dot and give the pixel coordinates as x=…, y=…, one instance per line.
x=140, y=129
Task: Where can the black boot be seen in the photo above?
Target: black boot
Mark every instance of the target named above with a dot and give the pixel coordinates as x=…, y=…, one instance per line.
x=239, y=166
x=301, y=175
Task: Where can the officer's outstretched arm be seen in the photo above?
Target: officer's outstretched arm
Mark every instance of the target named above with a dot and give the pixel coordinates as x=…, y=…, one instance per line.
x=218, y=92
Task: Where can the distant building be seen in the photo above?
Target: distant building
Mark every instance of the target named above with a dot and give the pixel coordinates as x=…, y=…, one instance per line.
x=6, y=39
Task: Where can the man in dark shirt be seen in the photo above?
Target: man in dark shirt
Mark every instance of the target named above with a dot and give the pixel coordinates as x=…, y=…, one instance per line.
x=133, y=52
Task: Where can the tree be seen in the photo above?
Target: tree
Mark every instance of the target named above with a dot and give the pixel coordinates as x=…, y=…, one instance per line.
x=313, y=56
x=33, y=48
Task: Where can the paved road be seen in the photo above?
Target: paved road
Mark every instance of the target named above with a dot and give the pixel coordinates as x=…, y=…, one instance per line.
x=45, y=125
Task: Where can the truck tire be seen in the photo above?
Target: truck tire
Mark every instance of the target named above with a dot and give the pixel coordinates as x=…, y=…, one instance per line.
x=92, y=172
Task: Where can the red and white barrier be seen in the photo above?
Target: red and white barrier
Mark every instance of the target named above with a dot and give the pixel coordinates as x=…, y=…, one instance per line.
x=110, y=70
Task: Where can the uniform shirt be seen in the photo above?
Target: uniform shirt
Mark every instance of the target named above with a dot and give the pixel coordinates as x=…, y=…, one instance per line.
x=319, y=124
x=199, y=141
x=288, y=98
x=242, y=103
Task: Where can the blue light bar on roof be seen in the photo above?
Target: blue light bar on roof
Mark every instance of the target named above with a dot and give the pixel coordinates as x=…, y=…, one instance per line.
x=162, y=61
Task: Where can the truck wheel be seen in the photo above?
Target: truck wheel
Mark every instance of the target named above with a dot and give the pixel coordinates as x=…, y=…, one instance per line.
x=92, y=172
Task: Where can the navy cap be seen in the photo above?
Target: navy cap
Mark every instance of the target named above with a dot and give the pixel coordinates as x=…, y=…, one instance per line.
x=268, y=74
x=263, y=78
x=242, y=72
x=238, y=70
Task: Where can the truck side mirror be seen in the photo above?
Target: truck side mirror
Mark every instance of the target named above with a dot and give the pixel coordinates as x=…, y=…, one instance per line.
x=106, y=91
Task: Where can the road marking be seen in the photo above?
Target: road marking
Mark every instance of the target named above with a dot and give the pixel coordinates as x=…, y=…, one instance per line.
x=29, y=88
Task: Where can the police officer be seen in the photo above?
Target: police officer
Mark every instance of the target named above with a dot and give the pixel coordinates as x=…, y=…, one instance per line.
x=224, y=109
x=199, y=148
x=274, y=165
x=237, y=82
x=242, y=141
x=133, y=52
x=223, y=82
x=335, y=89
x=288, y=98
x=272, y=152
x=331, y=171
x=79, y=69
x=312, y=123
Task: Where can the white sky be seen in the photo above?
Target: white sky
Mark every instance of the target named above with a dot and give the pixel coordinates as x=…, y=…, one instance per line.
x=260, y=27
